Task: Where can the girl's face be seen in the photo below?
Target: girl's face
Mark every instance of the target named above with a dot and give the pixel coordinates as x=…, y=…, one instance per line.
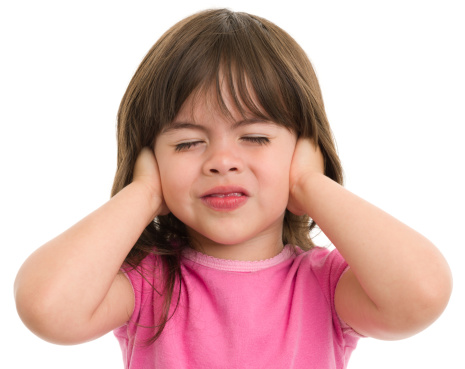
x=226, y=179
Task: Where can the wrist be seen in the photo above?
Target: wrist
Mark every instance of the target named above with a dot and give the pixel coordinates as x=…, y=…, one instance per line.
x=303, y=187
x=305, y=191
x=146, y=198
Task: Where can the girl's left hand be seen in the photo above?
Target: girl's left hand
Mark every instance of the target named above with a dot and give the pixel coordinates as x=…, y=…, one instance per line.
x=307, y=161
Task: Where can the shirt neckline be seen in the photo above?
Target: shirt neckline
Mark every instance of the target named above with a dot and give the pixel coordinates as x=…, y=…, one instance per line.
x=237, y=265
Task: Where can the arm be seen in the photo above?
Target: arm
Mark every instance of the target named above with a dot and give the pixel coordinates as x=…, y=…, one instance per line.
x=69, y=290
x=398, y=282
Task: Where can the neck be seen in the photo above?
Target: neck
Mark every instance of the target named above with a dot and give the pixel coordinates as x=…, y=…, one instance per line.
x=259, y=248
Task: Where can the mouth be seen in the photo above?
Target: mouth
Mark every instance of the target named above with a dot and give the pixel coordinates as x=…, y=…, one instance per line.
x=233, y=194
x=225, y=191
x=227, y=198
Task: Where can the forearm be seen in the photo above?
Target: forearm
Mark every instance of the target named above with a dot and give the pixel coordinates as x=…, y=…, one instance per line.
x=69, y=276
x=397, y=267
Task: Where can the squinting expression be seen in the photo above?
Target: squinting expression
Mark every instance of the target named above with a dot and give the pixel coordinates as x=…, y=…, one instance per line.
x=226, y=179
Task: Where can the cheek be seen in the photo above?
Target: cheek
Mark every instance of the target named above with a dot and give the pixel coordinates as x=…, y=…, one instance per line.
x=169, y=177
x=176, y=181
x=276, y=177
x=282, y=163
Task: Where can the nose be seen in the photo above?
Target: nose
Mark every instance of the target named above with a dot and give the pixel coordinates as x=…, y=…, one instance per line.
x=222, y=159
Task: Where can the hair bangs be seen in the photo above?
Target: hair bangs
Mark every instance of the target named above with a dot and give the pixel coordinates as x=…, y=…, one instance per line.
x=241, y=57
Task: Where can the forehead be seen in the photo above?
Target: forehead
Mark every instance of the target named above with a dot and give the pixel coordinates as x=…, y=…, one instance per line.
x=205, y=107
x=232, y=102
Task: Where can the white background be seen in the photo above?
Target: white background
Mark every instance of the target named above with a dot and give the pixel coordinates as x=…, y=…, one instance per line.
x=392, y=75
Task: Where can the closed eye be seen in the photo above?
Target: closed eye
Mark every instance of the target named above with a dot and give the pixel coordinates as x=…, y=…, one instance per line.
x=186, y=145
x=183, y=146
x=256, y=139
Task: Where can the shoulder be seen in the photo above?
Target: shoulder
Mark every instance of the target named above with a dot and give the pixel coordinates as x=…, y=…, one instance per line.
x=322, y=260
x=145, y=278
x=320, y=270
x=324, y=265
x=144, y=273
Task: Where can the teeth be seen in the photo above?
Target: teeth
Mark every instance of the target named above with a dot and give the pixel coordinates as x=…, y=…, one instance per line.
x=227, y=195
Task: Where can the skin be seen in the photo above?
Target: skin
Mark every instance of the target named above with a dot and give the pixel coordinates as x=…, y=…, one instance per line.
x=398, y=282
x=207, y=150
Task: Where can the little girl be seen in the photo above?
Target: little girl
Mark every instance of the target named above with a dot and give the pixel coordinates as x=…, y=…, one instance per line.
x=203, y=257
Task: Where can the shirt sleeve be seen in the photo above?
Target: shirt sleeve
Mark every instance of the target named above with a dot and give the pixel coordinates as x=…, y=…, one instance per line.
x=147, y=287
x=328, y=267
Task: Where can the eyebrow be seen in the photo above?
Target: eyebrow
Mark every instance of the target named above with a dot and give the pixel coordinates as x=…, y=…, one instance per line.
x=174, y=126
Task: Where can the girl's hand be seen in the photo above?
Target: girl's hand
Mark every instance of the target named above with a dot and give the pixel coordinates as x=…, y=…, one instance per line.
x=146, y=173
x=307, y=161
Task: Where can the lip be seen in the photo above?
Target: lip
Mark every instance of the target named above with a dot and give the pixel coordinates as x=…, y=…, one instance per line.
x=225, y=198
x=225, y=190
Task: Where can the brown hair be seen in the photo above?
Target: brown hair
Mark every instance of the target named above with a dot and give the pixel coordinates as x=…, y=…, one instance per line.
x=253, y=56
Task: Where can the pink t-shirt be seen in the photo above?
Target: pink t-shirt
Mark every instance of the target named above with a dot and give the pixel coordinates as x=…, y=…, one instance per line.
x=276, y=313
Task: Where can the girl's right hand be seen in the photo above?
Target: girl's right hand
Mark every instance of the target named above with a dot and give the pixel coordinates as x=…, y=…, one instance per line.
x=146, y=173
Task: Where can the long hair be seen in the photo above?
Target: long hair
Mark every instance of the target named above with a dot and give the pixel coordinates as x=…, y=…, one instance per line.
x=256, y=58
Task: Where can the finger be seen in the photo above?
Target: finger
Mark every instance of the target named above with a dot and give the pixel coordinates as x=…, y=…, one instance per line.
x=146, y=172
